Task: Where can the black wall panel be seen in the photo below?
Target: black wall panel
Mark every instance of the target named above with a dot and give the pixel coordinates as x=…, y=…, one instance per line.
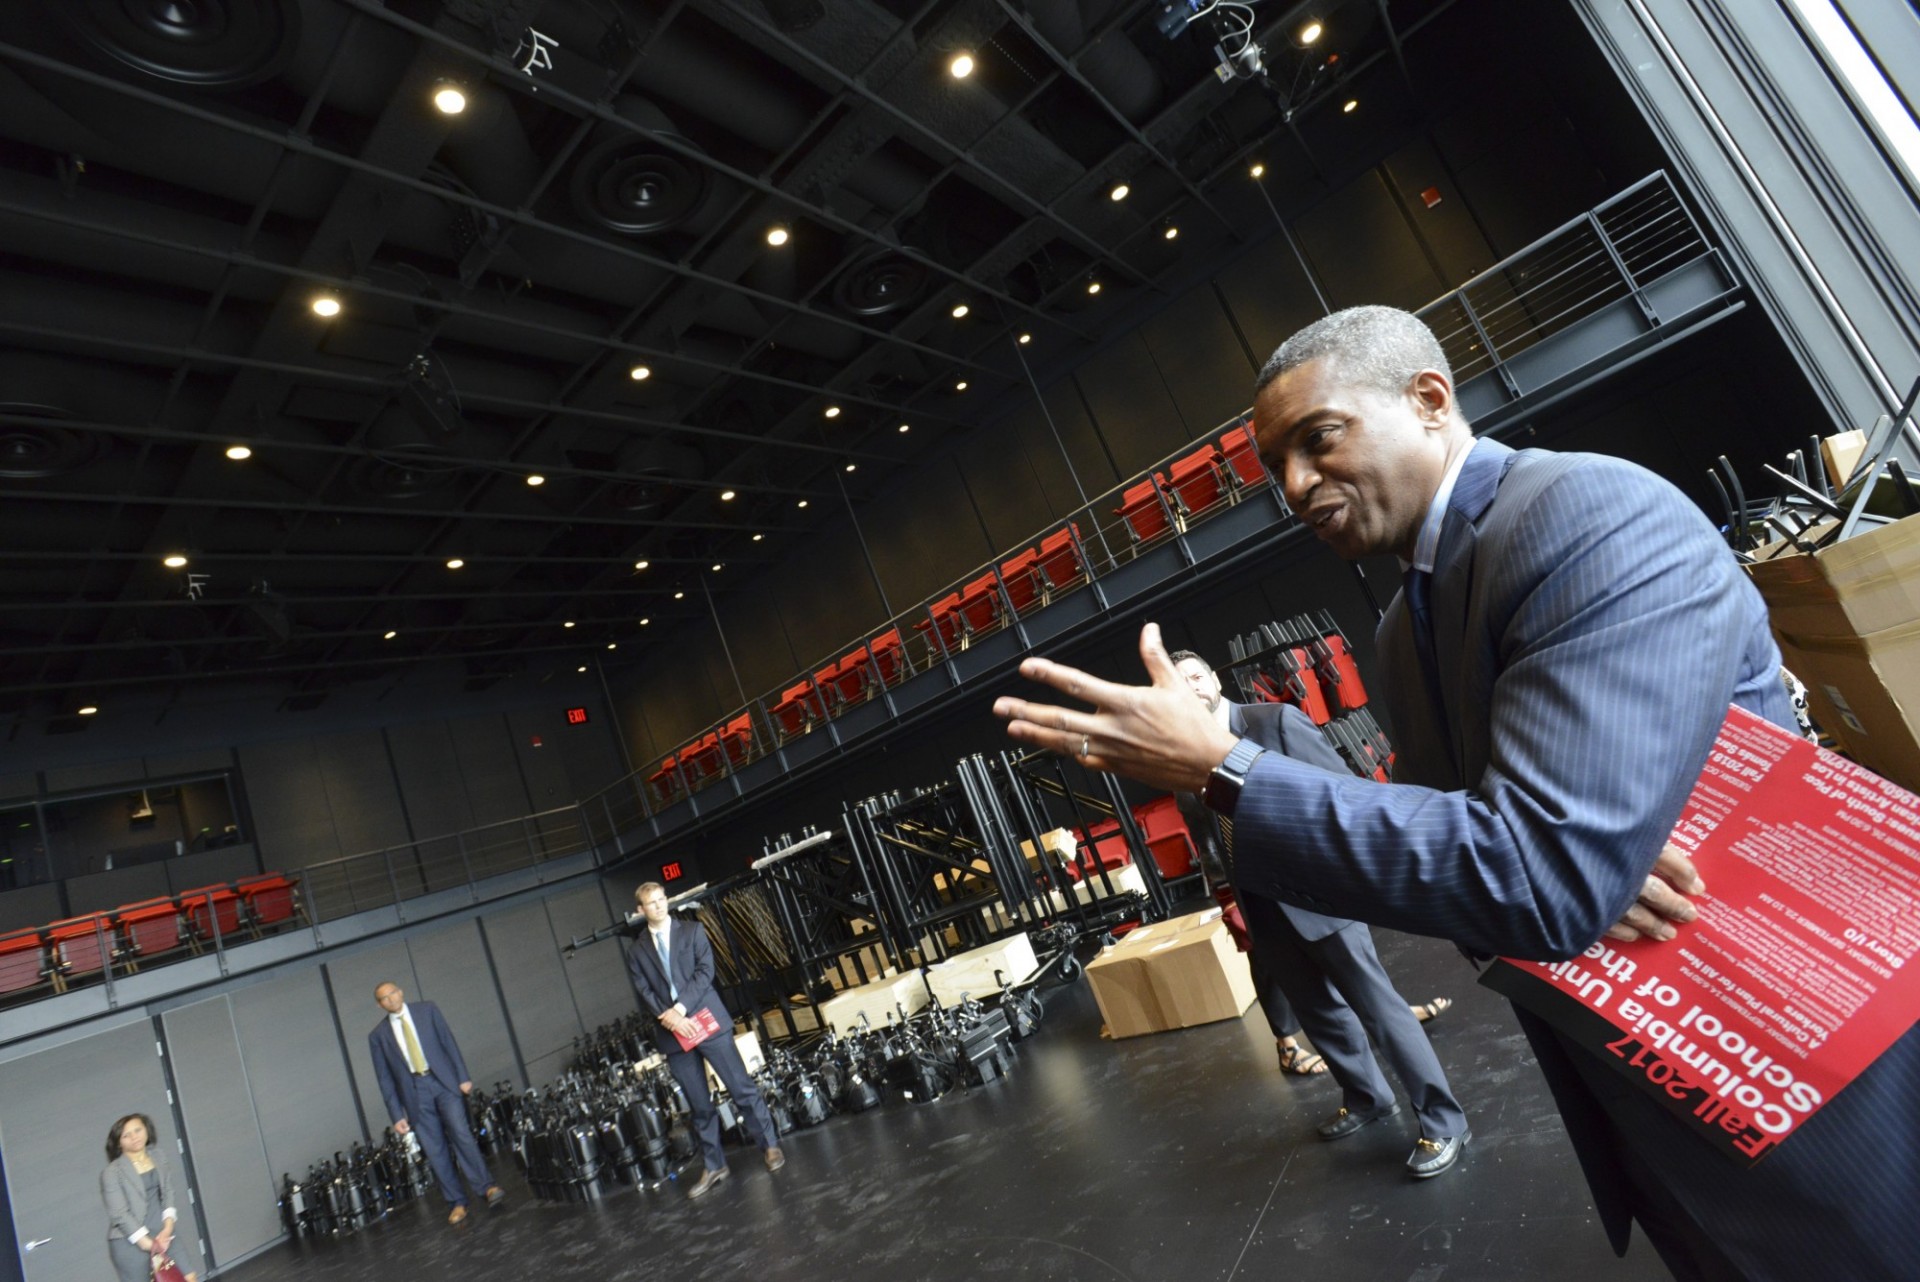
x=430, y=778
x=1448, y=228
x=24, y=785
x=998, y=464
x=236, y=1188
x=30, y=906
x=534, y=983
x=488, y=769
x=1206, y=369
x=826, y=597
x=1131, y=405
x=596, y=974
x=56, y=1107
x=361, y=790
x=289, y=804
x=1363, y=249
x=1087, y=453
x=453, y=971
x=1537, y=180
x=757, y=639
x=192, y=761
x=96, y=891
x=924, y=535
x=352, y=978
x=211, y=867
x=1270, y=296
x=95, y=774
x=302, y=1094
x=543, y=769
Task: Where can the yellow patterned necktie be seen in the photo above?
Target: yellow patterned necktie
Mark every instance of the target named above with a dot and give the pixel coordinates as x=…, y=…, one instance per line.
x=416, y=1058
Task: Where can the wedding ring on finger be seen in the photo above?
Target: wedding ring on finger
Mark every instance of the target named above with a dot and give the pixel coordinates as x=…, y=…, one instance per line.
x=1086, y=746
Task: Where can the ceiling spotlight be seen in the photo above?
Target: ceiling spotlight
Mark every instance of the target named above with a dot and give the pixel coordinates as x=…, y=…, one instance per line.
x=1026, y=338
x=391, y=634
x=450, y=99
x=326, y=305
x=613, y=645
x=89, y=710
x=534, y=478
x=641, y=565
x=238, y=452
x=906, y=427
x=960, y=66
x=959, y=310
x=1093, y=287
x=960, y=386
x=567, y=624
x=833, y=411
x=801, y=503
x=581, y=668
x=645, y=622
x=1171, y=233
x=174, y=561
x=639, y=373
x=758, y=537
x=1119, y=192
x=1308, y=32
x=726, y=496
x=851, y=466
x=1349, y=105
x=454, y=563
x=717, y=566
x=777, y=235
x=1258, y=171
x=679, y=596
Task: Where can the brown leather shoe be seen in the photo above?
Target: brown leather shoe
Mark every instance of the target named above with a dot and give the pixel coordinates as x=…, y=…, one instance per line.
x=706, y=1181
x=775, y=1158
x=457, y=1214
x=495, y=1195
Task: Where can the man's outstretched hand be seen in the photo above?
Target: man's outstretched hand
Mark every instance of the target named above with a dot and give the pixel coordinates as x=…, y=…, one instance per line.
x=1158, y=734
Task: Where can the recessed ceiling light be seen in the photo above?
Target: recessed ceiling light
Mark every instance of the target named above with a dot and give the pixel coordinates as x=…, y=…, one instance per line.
x=645, y=622
x=960, y=386
x=1171, y=233
x=89, y=710
x=1093, y=287
x=717, y=567
x=581, y=668
x=833, y=411
x=390, y=636
x=1308, y=32
x=326, y=305
x=777, y=235
x=449, y=99
x=641, y=565
x=613, y=645
x=961, y=66
x=801, y=503
x=726, y=496
x=906, y=427
x=567, y=624
x=639, y=373
x=1026, y=338
x=679, y=596
x=454, y=563
x=1119, y=192
x=1351, y=103
x=758, y=537
x=238, y=452
x=1258, y=171
x=850, y=467
x=534, y=478
x=959, y=310
x=173, y=561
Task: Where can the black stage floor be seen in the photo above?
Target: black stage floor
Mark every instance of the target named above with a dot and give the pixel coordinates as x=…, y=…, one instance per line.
x=1177, y=1157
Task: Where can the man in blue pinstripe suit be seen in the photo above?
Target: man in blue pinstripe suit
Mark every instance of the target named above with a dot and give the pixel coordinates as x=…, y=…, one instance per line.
x=1570, y=636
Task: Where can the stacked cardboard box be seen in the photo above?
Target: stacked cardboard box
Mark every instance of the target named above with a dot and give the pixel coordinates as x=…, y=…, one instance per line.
x=978, y=972
x=1171, y=974
x=879, y=1001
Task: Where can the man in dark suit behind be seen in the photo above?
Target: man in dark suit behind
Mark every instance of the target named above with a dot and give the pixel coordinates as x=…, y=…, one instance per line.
x=1570, y=636
x=424, y=1081
x=1327, y=966
x=671, y=966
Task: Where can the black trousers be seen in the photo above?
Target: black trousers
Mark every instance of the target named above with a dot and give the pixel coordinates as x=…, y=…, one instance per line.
x=688, y=1068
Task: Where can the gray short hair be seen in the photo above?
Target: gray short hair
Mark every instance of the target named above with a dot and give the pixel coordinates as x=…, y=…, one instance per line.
x=1380, y=348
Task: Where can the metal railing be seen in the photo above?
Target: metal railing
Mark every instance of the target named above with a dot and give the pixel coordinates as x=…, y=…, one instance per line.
x=381, y=878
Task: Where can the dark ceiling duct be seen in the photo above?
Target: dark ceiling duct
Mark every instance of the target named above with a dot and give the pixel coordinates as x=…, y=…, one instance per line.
x=651, y=467
x=629, y=183
x=204, y=44
x=1114, y=66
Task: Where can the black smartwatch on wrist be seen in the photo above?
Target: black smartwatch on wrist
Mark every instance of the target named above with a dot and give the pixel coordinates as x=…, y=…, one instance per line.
x=1222, y=792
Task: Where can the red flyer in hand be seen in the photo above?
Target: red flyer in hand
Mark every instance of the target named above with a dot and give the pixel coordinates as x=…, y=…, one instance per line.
x=705, y=1026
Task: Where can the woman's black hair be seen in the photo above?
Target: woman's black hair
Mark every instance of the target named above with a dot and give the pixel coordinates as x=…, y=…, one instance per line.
x=113, y=1136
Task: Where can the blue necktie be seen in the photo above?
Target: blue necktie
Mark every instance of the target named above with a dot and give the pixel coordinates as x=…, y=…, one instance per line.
x=666, y=967
x=1419, y=586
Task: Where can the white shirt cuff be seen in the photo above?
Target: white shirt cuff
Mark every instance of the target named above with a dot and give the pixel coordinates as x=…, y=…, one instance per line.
x=170, y=1214
x=135, y=1236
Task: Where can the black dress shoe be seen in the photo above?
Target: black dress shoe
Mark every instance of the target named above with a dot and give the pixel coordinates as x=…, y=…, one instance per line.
x=775, y=1158
x=495, y=1195
x=1433, y=1157
x=706, y=1181
x=1346, y=1121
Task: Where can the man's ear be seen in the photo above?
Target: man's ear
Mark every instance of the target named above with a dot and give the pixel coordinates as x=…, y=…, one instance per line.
x=1432, y=395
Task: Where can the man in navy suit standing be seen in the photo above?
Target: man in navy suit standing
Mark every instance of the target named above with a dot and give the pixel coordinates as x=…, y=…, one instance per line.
x=671, y=966
x=424, y=1081
x=1571, y=632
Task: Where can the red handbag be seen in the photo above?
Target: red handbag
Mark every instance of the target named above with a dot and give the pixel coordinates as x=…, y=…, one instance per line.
x=165, y=1270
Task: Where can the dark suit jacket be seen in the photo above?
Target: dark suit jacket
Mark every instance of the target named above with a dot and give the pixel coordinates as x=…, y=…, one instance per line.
x=1589, y=631
x=692, y=958
x=397, y=1082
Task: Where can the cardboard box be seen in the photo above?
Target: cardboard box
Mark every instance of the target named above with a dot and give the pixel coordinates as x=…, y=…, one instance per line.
x=972, y=973
x=748, y=1044
x=1171, y=974
x=842, y=974
x=1848, y=622
x=806, y=1019
x=1060, y=841
x=1127, y=879
x=879, y=1002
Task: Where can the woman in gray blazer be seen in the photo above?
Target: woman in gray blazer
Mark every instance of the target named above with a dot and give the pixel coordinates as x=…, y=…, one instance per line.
x=138, y=1190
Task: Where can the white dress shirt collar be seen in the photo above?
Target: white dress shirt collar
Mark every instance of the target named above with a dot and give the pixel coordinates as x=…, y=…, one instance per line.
x=1426, y=547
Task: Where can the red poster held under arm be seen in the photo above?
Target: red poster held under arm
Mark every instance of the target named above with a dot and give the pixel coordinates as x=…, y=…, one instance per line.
x=1801, y=969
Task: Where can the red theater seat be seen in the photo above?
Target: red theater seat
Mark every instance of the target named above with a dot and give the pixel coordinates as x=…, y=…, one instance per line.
x=980, y=605
x=1243, y=455
x=151, y=929
x=23, y=962
x=889, y=657
x=846, y=681
x=1101, y=846
x=81, y=946
x=944, y=613
x=665, y=781
x=210, y=906
x=1165, y=831
x=1196, y=481
x=1059, y=563
x=799, y=706
x=1145, y=513
x=701, y=759
x=1021, y=574
x=270, y=901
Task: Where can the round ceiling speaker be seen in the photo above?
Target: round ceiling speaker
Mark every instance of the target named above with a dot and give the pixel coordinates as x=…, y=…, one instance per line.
x=629, y=183
x=205, y=44
x=878, y=282
x=410, y=475
x=37, y=452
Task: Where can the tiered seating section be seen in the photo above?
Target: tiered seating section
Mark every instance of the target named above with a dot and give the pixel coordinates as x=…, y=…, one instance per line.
x=1188, y=488
x=61, y=954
